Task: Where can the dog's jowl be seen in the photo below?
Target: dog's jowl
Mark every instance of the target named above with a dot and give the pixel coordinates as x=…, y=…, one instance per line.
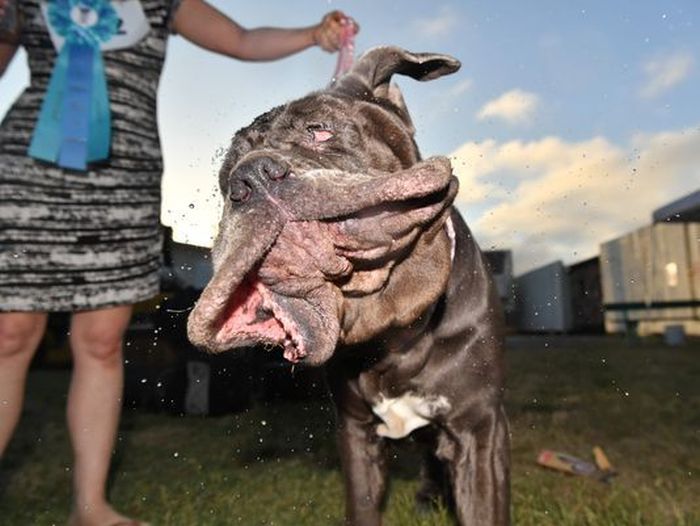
x=340, y=244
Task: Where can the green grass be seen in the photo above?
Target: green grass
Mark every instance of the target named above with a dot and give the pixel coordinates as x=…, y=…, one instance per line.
x=276, y=464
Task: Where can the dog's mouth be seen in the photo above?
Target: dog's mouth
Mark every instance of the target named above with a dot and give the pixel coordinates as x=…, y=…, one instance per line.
x=305, y=328
x=277, y=299
x=254, y=316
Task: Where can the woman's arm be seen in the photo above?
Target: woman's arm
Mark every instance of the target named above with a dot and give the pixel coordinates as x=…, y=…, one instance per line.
x=207, y=27
x=7, y=51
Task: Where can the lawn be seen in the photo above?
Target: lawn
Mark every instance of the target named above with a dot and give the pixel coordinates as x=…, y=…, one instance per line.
x=275, y=464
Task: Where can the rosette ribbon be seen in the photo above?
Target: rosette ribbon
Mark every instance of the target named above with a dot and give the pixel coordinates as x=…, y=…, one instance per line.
x=73, y=128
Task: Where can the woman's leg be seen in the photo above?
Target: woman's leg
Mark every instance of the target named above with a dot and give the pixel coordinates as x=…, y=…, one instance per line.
x=94, y=405
x=20, y=334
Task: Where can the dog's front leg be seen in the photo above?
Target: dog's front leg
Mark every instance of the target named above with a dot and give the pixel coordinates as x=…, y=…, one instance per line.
x=364, y=469
x=478, y=465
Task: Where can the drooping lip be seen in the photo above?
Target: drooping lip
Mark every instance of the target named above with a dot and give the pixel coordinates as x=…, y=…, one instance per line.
x=253, y=316
x=237, y=309
x=241, y=253
x=305, y=328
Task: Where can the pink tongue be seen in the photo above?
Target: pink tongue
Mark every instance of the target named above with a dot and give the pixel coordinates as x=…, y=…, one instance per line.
x=347, y=50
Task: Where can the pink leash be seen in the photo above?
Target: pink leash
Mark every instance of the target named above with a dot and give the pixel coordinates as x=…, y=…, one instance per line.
x=346, y=55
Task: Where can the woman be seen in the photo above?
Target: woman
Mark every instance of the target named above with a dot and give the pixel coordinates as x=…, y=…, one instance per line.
x=79, y=232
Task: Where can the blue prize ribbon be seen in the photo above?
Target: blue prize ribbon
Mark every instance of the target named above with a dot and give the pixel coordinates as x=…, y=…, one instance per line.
x=74, y=121
x=47, y=132
x=100, y=129
x=75, y=115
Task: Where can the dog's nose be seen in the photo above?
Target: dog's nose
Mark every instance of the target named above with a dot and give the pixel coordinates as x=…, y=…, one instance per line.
x=239, y=190
x=259, y=170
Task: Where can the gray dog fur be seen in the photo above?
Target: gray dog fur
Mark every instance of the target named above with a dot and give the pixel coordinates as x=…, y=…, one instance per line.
x=338, y=243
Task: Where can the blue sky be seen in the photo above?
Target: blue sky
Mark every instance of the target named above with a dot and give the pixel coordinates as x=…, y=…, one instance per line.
x=568, y=123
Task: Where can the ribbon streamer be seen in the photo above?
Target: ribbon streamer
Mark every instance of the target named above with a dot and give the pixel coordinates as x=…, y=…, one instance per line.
x=73, y=128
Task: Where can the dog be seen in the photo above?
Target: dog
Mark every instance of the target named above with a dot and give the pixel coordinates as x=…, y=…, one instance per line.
x=341, y=245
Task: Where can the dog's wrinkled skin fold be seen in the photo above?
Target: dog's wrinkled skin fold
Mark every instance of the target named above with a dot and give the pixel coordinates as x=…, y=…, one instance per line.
x=339, y=244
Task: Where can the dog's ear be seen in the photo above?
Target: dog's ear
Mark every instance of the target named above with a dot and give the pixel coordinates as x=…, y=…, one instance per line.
x=371, y=74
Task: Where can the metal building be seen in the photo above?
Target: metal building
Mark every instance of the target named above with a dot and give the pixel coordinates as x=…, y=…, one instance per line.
x=543, y=300
x=586, y=296
x=651, y=278
x=686, y=209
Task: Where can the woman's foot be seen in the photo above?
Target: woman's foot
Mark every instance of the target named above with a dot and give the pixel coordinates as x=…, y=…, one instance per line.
x=102, y=515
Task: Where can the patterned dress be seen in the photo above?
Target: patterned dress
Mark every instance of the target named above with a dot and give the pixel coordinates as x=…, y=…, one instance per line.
x=73, y=240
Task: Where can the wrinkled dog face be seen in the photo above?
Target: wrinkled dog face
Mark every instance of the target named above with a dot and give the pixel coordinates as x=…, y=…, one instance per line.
x=324, y=199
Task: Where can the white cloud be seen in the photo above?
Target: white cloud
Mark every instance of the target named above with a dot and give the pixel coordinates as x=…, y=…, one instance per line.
x=664, y=73
x=515, y=106
x=552, y=199
x=444, y=22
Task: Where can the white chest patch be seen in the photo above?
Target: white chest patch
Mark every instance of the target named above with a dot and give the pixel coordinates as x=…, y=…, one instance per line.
x=402, y=415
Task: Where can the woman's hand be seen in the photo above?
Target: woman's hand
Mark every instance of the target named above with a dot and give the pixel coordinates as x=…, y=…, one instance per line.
x=328, y=35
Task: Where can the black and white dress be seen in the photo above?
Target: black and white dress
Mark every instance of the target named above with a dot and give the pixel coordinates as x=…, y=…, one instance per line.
x=73, y=240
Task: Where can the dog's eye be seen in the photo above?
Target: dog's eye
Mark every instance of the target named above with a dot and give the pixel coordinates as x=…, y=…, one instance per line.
x=319, y=133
